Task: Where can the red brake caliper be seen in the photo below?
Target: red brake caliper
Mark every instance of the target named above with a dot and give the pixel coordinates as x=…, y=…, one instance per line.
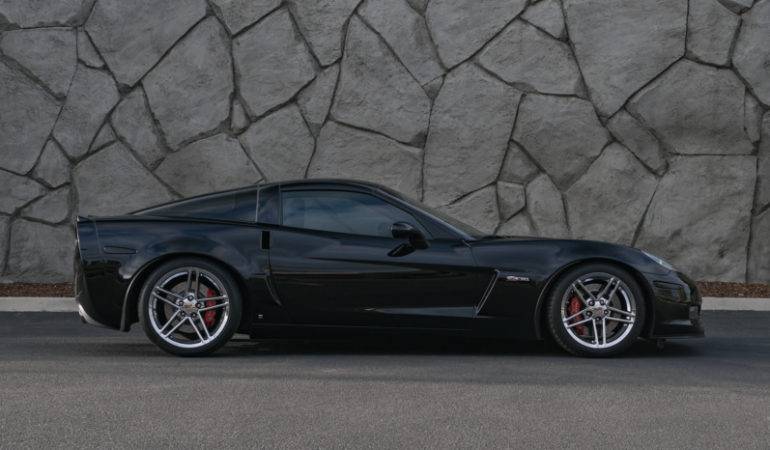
x=208, y=316
x=574, y=307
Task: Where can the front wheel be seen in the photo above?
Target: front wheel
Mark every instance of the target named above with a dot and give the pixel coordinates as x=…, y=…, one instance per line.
x=596, y=310
x=189, y=307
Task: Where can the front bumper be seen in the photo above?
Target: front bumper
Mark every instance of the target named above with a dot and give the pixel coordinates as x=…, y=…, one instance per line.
x=676, y=307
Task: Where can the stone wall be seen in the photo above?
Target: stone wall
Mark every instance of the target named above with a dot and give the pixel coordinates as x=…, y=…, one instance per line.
x=642, y=122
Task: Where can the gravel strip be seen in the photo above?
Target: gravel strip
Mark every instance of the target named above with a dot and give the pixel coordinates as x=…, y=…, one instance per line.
x=37, y=290
x=747, y=290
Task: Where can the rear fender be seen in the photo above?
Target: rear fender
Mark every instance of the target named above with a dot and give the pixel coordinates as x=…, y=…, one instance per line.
x=148, y=243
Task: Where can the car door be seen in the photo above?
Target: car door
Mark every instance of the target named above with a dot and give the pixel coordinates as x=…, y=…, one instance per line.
x=334, y=262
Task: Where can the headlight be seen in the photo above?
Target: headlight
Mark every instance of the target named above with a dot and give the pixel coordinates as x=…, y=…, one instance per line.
x=659, y=261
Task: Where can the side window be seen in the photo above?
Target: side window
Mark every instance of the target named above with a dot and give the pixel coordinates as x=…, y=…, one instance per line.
x=342, y=212
x=238, y=205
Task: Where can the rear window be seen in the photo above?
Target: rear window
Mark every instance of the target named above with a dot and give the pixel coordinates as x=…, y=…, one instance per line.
x=240, y=206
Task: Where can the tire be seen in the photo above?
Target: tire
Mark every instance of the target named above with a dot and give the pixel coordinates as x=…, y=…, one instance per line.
x=185, y=326
x=586, y=323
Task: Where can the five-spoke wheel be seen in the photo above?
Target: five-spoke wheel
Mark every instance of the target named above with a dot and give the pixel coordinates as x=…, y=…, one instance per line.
x=596, y=310
x=189, y=307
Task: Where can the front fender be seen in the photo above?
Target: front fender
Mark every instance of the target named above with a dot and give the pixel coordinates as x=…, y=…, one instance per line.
x=513, y=309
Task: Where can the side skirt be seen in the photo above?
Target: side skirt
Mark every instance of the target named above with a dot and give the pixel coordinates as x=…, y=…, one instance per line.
x=279, y=331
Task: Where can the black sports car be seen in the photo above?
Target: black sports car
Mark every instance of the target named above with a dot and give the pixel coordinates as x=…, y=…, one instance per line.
x=342, y=259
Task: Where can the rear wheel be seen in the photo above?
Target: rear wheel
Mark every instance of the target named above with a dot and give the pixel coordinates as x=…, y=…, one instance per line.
x=189, y=307
x=596, y=310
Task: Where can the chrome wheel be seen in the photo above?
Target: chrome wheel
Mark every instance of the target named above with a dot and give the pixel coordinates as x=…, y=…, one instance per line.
x=189, y=307
x=598, y=310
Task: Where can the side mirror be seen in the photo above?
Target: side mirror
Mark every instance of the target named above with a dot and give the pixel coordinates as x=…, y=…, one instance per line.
x=405, y=230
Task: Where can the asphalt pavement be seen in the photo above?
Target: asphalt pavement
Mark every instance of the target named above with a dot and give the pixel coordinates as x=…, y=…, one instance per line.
x=68, y=385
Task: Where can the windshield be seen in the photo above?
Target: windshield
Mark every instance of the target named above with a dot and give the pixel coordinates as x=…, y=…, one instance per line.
x=438, y=215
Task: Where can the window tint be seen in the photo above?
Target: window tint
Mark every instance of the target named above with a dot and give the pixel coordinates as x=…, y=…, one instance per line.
x=240, y=205
x=342, y=212
x=438, y=215
x=268, y=208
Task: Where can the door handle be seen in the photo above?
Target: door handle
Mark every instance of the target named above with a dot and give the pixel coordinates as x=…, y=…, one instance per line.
x=265, y=241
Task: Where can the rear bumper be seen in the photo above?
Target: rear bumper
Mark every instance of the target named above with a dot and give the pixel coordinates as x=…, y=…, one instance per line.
x=677, y=307
x=87, y=247
x=89, y=312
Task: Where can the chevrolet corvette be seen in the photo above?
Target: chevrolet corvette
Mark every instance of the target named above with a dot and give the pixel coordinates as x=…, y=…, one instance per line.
x=340, y=259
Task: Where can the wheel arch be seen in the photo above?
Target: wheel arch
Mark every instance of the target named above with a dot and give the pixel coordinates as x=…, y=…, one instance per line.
x=131, y=300
x=541, y=313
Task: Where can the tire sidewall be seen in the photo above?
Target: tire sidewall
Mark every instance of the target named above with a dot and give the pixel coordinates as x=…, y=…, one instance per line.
x=234, y=298
x=562, y=336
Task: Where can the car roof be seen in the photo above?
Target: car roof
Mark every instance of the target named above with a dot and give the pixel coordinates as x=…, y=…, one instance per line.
x=325, y=182
x=311, y=184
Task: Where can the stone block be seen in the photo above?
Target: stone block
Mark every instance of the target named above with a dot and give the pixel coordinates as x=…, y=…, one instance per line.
x=469, y=132
x=87, y=53
x=700, y=215
x=517, y=166
x=695, y=109
x=190, y=89
x=239, y=120
x=111, y=182
x=91, y=97
x=28, y=113
x=622, y=45
x=548, y=16
x=45, y=13
x=104, y=137
x=316, y=99
x=629, y=132
x=478, y=209
x=546, y=208
x=376, y=92
x=461, y=27
x=407, y=34
x=518, y=225
x=532, y=61
x=737, y=6
x=608, y=202
x=40, y=253
x=344, y=152
x=419, y=5
x=562, y=134
x=322, y=24
x=53, y=167
x=53, y=208
x=16, y=191
x=209, y=165
x=5, y=233
x=272, y=63
x=711, y=32
x=759, y=249
x=751, y=56
x=133, y=123
x=432, y=88
x=280, y=144
x=511, y=198
x=752, y=118
x=239, y=14
x=50, y=54
x=132, y=36
x=762, y=198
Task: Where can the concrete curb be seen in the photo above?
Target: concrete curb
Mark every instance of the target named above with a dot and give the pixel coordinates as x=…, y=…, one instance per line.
x=61, y=304
x=38, y=304
x=729, y=303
